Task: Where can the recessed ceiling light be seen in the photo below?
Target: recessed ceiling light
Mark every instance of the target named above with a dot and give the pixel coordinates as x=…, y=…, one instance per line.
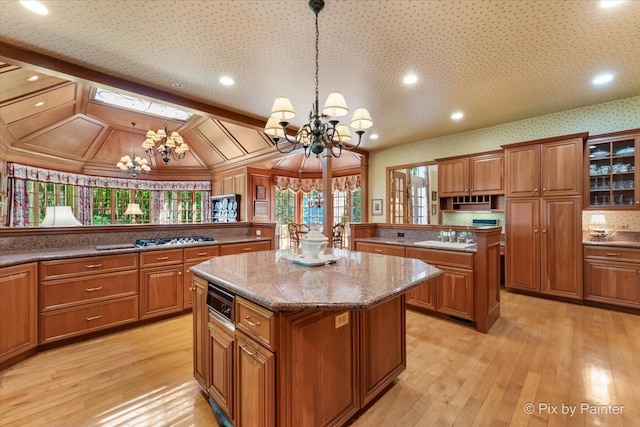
x=606, y=4
x=35, y=7
x=457, y=115
x=39, y=104
x=33, y=78
x=602, y=78
x=410, y=79
x=374, y=136
x=226, y=80
x=177, y=85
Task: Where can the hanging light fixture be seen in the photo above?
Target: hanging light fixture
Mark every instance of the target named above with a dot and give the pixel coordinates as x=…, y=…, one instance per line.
x=133, y=165
x=167, y=145
x=324, y=130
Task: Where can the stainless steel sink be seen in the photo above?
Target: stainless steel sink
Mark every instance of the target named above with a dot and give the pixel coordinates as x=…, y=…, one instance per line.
x=445, y=245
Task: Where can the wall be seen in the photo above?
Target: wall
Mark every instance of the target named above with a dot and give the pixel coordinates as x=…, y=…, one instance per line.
x=596, y=119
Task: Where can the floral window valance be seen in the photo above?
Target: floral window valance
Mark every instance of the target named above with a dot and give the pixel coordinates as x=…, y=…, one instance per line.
x=341, y=183
x=32, y=173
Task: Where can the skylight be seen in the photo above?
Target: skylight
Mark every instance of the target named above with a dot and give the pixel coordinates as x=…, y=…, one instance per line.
x=142, y=105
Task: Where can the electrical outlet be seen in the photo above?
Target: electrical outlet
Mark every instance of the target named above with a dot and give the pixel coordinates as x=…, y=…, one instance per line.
x=400, y=234
x=342, y=319
x=258, y=232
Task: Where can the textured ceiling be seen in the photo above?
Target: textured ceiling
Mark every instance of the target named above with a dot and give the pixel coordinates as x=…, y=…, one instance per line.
x=497, y=61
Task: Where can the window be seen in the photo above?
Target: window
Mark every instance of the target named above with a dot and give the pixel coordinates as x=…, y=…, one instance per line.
x=312, y=207
x=346, y=206
x=43, y=194
x=182, y=207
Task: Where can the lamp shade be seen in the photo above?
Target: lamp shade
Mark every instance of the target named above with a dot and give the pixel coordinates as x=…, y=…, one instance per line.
x=133, y=209
x=598, y=219
x=361, y=119
x=273, y=128
x=335, y=106
x=59, y=216
x=282, y=109
x=343, y=135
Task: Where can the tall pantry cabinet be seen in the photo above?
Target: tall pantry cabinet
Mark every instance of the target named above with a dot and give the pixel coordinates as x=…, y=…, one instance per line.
x=543, y=218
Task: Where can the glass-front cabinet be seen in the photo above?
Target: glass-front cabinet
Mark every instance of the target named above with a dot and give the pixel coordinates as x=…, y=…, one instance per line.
x=612, y=167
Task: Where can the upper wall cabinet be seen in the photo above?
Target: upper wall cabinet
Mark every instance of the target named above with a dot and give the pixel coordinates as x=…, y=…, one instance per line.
x=546, y=169
x=612, y=176
x=481, y=174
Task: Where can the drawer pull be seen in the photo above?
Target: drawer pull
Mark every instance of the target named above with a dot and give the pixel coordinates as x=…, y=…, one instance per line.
x=202, y=253
x=378, y=250
x=94, y=265
x=244, y=348
x=248, y=319
x=162, y=258
x=94, y=289
x=94, y=317
x=246, y=249
x=613, y=253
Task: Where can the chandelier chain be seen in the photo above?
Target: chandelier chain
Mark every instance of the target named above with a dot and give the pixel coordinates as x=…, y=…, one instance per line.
x=317, y=63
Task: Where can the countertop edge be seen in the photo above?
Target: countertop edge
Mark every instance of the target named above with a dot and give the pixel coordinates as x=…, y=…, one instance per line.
x=617, y=244
x=410, y=243
x=22, y=257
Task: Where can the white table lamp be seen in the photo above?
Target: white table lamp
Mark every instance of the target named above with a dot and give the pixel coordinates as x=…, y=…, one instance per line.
x=133, y=209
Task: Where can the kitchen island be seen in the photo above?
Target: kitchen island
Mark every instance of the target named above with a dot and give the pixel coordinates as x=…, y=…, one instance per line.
x=301, y=345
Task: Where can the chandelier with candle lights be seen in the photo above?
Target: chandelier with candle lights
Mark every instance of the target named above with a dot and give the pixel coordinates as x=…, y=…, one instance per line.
x=324, y=130
x=133, y=165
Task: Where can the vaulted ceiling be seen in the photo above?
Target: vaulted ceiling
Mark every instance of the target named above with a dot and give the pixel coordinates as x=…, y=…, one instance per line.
x=496, y=61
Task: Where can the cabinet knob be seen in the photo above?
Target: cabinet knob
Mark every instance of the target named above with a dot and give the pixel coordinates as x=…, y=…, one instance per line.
x=191, y=289
x=179, y=273
x=535, y=190
x=544, y=189
x=535, y=230
x=544, y=231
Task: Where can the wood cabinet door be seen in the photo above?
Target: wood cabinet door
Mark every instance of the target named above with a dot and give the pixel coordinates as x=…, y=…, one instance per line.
x=453, y=177
x=255, y=384
x=200, y=333
x=561, y=168
x=522, y=167
x=18, y=310
x=561, y=247
x=612, y=283
x=522, y=244
x=487, y=174
x=383, y=350
x=221, y=372
x=161, y=290
x=424, y=296
x=455, y=292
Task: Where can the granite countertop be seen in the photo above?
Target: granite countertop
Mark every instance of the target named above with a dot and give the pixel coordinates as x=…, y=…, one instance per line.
x=21, y=257
x=613, y=243
x=400, y=241
x=357, y=280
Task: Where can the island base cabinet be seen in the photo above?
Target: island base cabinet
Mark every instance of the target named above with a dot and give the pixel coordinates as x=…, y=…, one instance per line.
x=221, y=345
x=200, y=333
x=612, y=283
x=383, y=353
x=255, y=383
x=423, y=296
x=18, y=310
x=317, y=368
x=455, y=292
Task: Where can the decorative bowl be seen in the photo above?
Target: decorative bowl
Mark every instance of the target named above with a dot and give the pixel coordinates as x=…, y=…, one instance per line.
x=314, y=243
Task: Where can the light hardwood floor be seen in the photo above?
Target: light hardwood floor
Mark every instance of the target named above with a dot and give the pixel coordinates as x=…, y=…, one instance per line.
x=540, y=351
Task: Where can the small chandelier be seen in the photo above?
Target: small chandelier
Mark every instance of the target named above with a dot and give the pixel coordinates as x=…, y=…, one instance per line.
x=323, y=130
x=133, y=165
x=169, y=145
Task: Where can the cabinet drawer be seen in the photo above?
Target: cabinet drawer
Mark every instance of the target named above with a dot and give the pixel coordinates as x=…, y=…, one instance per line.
x=449, y=258
x=87, y=265
x=612, y=253
x=163, y=257
x=201, y=253
x=60, y=324
x=256, y=321
x=376, y=248
x=60, y=293
x=238, y=248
